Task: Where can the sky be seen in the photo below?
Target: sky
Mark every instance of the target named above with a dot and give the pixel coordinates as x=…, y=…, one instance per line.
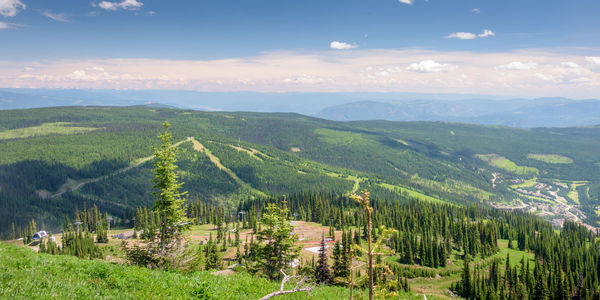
x=533, y=48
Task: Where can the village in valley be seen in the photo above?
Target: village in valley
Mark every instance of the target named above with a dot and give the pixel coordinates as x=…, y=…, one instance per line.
x=557, y=202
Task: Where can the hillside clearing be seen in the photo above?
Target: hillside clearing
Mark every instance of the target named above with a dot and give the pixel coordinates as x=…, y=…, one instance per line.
x=551, y=158
x=45, y=129
x=505, y=164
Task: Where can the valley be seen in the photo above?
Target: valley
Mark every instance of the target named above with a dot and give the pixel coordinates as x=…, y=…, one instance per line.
x=392, y=159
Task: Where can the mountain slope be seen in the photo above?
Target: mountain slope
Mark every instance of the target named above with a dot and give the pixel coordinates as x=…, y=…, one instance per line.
x=258, y=154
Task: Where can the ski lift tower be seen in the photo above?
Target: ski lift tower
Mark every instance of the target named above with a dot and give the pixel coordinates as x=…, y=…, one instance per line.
x=241, y=212
x=77, y=223
x=109, y=219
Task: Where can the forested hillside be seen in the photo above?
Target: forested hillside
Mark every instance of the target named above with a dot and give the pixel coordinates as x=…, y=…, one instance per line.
x=54, y=160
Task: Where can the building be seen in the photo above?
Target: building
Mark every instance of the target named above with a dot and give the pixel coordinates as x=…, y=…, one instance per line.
x=39, y=235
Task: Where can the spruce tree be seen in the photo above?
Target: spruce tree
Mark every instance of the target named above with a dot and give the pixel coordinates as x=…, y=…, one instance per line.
x=339, y=265
x=169, y=202
x=322, y=274
x=541, y=288
x=466, y=287
x=277, y=242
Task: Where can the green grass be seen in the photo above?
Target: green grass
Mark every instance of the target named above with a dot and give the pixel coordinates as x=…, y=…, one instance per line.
x=25, y=274
x=526, y=184
x=339, y=137
x=410, y=192
x=504, y=163
x=550, y=158
x=44, y=129
x=573, y=194
x=515, y=254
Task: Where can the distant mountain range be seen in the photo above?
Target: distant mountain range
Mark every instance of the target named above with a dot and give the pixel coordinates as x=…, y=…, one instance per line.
x=474, y=109
x=526, y=113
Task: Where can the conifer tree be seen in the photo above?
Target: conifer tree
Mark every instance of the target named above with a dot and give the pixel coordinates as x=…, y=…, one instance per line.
x=277, y=242
x=322, y=274
x=169, y=201
x=339, y=263
x=466, y=278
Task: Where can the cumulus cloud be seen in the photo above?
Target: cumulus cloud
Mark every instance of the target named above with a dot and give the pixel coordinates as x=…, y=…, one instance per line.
x=486, y=33
x=475, y=10
x=469, y=35
x=544, y=77
x=430, y=66
x=569, y=65
x=125, y=4
x=409, y=2
x=517, y=65
x=55, y=16
x=341, y=45
x=462, y=36
x=408, y=70
x=10, y=8
x=593, y=62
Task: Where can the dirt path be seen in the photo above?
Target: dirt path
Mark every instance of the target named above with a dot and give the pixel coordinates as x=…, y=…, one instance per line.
x=356, y=186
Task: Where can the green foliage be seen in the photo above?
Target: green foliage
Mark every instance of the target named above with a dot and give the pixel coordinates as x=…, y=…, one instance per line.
x=276, y=245
x=322, y=273
x=391, y=159
x=169, y=201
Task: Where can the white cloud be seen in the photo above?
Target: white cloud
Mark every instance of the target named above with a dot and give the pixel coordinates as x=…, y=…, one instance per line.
x=341, y=45
x=544, y=77
x=125, y=4
x=409, y=2
x=4, y=25
x=469, y=35
x=569, y=65
x=10, y=8
x=517, y=65
x=475, y=10
x=593, y=62
x=486, y=33
x=462, y=36
x=430, y=66
x=369, y=70
x=55, y=17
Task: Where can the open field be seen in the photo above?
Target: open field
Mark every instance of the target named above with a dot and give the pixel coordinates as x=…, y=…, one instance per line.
x=44, y=129
x=505, y=164
x=551, y=158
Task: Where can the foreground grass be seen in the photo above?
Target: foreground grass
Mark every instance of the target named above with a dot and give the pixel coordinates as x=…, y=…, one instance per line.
x=26, y=274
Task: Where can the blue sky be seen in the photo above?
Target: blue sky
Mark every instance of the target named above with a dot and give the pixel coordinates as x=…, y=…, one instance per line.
x=50, y=41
